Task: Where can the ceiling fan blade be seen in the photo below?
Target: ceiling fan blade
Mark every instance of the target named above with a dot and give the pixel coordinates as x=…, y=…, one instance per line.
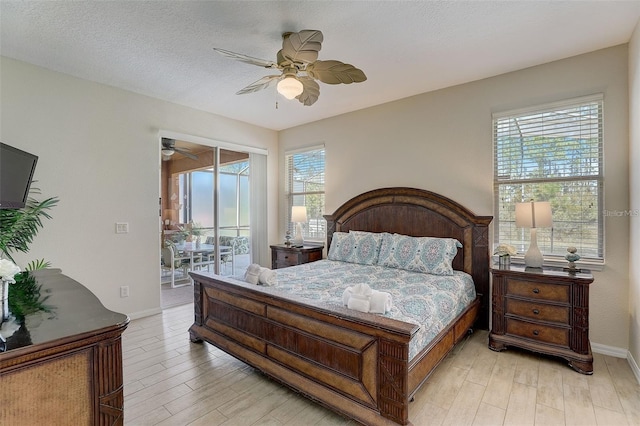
x=302, y=47
x=310, y=92
x=186, y=153
x=335, y=72
x=263, y=83
x=282, y=61
x=248, y=59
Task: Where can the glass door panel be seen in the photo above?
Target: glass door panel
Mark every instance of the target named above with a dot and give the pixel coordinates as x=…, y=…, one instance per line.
x=215, y=181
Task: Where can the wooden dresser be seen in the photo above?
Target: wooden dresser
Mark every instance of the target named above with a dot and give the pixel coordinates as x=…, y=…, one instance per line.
x=545, y=311
x=61, y=363
x=283, y=255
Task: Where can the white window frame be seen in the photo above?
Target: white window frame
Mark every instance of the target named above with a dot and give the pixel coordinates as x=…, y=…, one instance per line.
x=315, y=230
x=554, y=125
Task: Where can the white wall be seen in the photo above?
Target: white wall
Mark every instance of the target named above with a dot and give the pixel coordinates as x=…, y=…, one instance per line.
x=442, y=141
x=634, y=166
x=98, y=151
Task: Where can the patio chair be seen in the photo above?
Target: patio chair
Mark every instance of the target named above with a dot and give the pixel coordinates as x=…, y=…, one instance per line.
x=171, y=262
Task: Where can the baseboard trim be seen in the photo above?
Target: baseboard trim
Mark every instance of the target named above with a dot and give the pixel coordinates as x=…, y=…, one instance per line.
x=618, y=353
x=145, y=313
x=634, y=366
x=609, y=350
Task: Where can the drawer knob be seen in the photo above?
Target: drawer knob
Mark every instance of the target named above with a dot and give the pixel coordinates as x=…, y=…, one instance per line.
x=286, y=257
x=536, y=332
x=536, y=290
x=535, y=311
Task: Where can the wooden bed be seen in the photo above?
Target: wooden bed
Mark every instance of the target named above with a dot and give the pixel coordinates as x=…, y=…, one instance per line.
x=356, y=364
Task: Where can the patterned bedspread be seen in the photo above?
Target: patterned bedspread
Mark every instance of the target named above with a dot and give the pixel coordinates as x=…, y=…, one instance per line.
x=429, y=301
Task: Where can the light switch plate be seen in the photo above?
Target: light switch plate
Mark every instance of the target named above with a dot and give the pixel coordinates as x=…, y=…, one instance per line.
x=122, y=228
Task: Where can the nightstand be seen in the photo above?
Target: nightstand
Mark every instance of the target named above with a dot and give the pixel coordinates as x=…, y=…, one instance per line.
x=283, y=255
x=545, y=311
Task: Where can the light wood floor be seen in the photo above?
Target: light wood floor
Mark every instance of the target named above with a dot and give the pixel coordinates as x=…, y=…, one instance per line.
x=170, y=381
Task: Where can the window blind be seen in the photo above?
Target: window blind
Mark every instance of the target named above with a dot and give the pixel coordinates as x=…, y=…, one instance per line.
x=552, y=153
x=305, y=187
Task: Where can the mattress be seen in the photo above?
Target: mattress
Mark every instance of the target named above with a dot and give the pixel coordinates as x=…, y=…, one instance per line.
x=428, y=301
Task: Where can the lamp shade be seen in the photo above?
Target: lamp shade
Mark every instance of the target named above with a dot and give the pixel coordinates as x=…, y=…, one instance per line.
x=533, y=215
x=290, y=87
x=298, y=214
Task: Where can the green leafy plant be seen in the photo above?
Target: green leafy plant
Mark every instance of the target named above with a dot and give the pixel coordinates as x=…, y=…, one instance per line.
x=18, y=227
x=25, y=297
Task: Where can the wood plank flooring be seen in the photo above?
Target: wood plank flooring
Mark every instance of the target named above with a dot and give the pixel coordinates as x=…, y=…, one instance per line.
x=171, y=381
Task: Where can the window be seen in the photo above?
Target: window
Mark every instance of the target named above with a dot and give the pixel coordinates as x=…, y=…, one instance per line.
x=551, y=153
x=305, y=187
x=196, y=194
x=196, y=190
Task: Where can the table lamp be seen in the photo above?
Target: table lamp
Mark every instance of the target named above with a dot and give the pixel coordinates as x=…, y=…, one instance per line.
x=298, y=215
x=533, y=215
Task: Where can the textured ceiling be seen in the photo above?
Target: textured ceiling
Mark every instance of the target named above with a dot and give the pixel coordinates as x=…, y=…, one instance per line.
x=164, y=49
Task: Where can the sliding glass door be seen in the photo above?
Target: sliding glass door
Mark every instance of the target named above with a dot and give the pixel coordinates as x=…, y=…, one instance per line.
x=208, y=195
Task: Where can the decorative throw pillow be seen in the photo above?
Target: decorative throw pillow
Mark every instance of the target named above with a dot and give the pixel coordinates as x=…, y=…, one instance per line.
x=419, y=254
x=366, y=239
x=354, y=247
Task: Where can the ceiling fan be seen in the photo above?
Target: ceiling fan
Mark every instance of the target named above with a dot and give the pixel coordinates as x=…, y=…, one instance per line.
x=298, y=61
x=169, y=148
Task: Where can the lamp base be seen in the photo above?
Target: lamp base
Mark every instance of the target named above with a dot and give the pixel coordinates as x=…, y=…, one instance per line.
x=298, y=241
x=533, y=257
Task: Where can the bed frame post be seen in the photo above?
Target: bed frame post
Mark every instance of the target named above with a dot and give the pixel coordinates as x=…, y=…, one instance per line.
x=481, y=260
x=394, y=387
x=197, y=310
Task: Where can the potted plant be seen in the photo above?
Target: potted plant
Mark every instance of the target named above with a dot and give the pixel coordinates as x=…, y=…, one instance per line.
x=18, y=227
x=195, y=233
x=504, y=252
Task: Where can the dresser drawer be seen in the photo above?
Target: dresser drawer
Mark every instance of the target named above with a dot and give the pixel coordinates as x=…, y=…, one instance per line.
x=539, y=291
x=538, y=311
x=542, y=333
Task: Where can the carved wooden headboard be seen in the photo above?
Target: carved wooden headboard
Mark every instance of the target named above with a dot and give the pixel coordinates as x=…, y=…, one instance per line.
x=422, y=213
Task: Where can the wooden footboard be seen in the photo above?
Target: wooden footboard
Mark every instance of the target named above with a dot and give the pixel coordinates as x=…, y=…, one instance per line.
x=349, y=363
x=353, y=363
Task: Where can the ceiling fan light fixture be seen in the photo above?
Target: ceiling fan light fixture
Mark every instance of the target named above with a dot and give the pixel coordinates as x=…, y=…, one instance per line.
x=167, y=151
x=290, y=87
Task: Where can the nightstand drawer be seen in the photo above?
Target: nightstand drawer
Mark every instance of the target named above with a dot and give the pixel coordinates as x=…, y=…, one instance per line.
x=287, y=258
x=283, y=256
x=538, y=311
x=543, y=333
x=536, y=290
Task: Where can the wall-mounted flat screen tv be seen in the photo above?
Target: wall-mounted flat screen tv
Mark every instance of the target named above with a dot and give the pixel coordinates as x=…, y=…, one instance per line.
x=16, y=173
